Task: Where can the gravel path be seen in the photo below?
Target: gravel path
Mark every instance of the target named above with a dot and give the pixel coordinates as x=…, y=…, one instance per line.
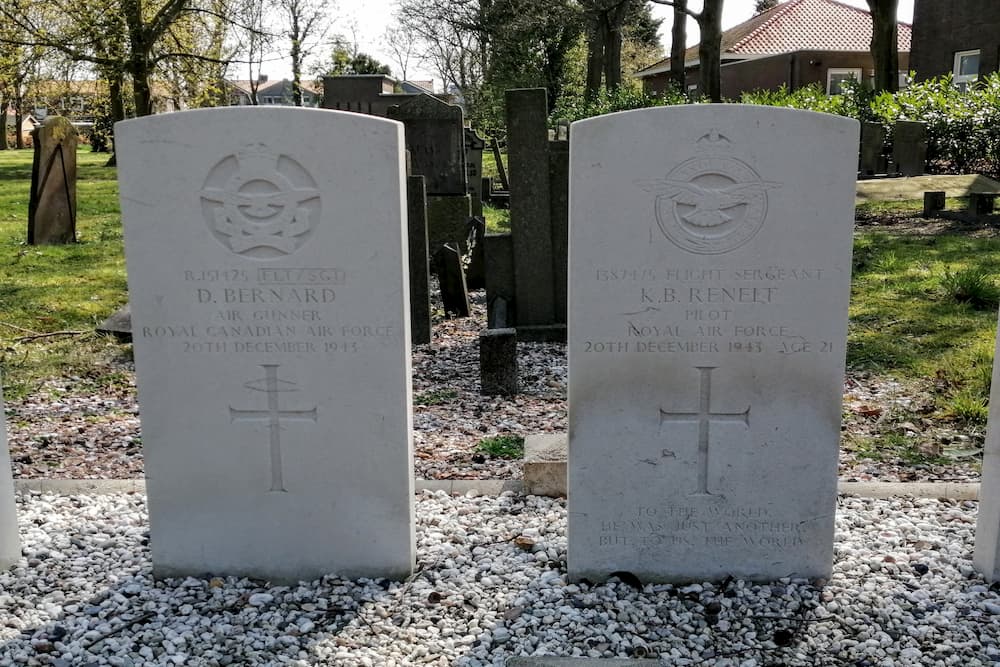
x=491, y=584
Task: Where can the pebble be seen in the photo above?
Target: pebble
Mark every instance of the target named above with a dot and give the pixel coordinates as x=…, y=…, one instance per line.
x=83, y=605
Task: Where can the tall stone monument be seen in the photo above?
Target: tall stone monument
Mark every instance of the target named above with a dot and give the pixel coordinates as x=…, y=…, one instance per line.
x=52, y=202
x=435, y=138
x=271, y=334
x=710, y=262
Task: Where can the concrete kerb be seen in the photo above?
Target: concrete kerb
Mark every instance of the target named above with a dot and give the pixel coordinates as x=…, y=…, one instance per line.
x=494, y=487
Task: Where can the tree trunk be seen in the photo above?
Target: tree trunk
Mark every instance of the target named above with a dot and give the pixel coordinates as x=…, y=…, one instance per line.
x=678, y=46
x=885, y=50
x=3, y=114
x=613, y=55
x=595, y=57
x=710, y=51
x=296, y=56
x=115, y=89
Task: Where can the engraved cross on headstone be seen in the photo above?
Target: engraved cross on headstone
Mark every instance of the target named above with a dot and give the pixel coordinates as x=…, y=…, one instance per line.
x=704, y=416
x=273, y=416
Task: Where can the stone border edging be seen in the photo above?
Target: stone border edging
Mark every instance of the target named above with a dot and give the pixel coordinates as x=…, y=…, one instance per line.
x=494, y=487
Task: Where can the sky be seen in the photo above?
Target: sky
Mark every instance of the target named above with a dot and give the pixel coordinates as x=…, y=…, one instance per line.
x=367, y=20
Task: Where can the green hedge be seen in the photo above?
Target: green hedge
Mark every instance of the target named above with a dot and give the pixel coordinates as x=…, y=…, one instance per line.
x=963, y=127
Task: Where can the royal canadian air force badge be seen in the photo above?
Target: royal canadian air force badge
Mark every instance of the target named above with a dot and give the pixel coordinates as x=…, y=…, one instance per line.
x=260, y=204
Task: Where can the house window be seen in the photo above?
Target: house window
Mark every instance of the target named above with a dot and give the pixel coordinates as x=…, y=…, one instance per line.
x=966, y=69
x=837, y=76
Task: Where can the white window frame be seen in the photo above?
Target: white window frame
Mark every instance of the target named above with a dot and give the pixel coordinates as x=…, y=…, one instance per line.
x=856, y=72
x=963, y=80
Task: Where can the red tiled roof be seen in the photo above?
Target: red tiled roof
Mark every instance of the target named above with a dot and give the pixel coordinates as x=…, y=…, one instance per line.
x=797, y=25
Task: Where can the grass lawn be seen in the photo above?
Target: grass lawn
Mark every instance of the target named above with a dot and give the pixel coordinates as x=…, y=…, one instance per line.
x=50, y=289
x=923, y=305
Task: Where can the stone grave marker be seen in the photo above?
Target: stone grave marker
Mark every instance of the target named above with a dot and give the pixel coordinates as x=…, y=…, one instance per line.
x=474, y=145
x=52, y=202
x=267, y=278
x=707, y=340
x=987, y=551
x=870, y=155
x=909, y=147
x=436, y=141
x=10, y=545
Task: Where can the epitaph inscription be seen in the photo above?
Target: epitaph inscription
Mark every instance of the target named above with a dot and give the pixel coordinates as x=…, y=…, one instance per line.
x=273, y=415
x=704, y=417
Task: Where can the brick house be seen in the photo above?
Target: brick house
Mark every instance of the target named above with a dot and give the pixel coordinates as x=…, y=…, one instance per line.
x=960, y=37
x=272, y=92
x=796, y=43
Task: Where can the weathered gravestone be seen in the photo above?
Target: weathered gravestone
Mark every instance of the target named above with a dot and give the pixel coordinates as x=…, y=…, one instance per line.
x=909, y=147
x=420, y=290
x=870, y=160
x=52, y=201
x=435, y=138
x=526, y=272
x=987, y=552
x=474, y=145
x=710, y=275
x=270, y=330
x=10, y=546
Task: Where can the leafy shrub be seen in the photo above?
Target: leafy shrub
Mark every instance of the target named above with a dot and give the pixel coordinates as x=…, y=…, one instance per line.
x=623, y=99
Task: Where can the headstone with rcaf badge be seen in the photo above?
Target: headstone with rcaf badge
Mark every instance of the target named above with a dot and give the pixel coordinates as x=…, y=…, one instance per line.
x=271, y=334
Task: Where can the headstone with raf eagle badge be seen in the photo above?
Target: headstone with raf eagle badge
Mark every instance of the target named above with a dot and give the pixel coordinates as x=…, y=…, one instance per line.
x=270, y=326
x=710, y=260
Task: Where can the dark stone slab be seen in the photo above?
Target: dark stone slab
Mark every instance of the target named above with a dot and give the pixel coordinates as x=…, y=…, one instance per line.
x=119, y=324
x=448, y=220
x=448, y=263
x=435, y=137
x=498, y=362
x=530, y=214
x=420, y=303
x=981, y=203
x=474, y=145
x=542, y=333
x=933, y=203
x=52, y=201
x=559, y=206
x=499, y=252
x=909, y=147
x=872, y=145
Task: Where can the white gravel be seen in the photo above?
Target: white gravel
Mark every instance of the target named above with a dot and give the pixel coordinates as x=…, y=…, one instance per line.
x=491, y=585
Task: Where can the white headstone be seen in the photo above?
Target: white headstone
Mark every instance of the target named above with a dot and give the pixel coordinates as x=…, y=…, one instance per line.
x=10, y=545
x=987, y=552
x=710, y=262
x=268, y=281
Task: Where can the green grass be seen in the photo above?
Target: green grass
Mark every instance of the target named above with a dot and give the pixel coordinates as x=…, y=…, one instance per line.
x=435, y=397
x=47, y=289
x=924, y=307
x=497, y=220
x=502, y=446
x=905, y=208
